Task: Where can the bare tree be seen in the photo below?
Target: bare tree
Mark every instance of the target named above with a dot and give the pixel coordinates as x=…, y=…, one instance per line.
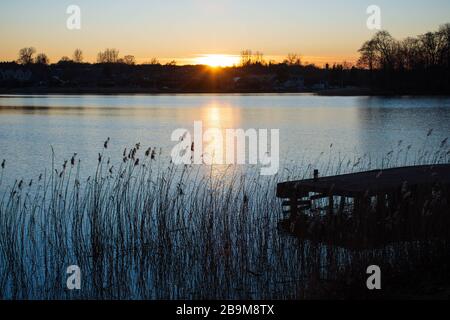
x=293, y=59
x=415, y=62
x=42, y=58
x=154, y=61
x=26, y=55
x=346, y=65
x=108, y=56
x=78, y=56
x=64, y=59
x=246, y=58
x=379, y=52
x=171, y=63
x=444, y=39
x=249, y=58
x=129, y=60
x=258, y=58
x=386, y=47
x=409, y=56
x=368, y=57
x=430, y=48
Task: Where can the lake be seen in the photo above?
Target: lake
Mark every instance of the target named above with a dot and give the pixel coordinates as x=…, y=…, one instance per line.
x=157, y=231
x=309, y=125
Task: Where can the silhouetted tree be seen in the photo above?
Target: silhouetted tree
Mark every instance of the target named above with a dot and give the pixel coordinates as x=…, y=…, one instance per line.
x=430, y=48
x=409, y=55
x=385, y=47
x=108, y=56
x=154, y=61
x=368, y=58
x=78, y=56
x=129, y=60
x=249, y=58
x=293, y=59
x=415, y=63
x=26, y=55
x=246, y=58
x=64, y=59
x=42, y=58
x=258, y=58
x=444, y=39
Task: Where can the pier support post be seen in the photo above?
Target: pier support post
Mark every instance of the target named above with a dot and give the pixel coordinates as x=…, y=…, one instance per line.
x=294, y=207
x=330, y=205
x=341, y=205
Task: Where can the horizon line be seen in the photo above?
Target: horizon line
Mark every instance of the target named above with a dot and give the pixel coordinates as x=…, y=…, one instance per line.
x=318, y=60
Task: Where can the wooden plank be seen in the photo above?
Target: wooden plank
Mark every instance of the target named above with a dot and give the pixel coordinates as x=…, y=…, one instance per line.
x=370, y=183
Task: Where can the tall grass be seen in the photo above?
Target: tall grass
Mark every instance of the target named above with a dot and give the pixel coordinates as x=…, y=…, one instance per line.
x=147, y=229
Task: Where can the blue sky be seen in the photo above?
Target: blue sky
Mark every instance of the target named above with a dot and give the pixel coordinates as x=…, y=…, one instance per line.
x=182, y=29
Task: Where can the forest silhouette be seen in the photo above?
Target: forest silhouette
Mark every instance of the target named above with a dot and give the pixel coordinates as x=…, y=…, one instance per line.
x=415, y=65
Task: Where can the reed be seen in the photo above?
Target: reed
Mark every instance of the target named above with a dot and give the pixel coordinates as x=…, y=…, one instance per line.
x=146, y=229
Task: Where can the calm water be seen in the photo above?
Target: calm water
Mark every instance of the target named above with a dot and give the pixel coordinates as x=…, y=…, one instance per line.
x=30, y=125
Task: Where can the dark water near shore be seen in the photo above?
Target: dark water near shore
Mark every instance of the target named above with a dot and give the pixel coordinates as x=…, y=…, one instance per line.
x=309, y=125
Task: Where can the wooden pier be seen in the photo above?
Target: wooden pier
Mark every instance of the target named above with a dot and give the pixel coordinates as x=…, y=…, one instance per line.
x=398, y=203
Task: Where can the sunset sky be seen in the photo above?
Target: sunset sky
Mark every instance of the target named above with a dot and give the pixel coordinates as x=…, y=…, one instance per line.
x=321, y=30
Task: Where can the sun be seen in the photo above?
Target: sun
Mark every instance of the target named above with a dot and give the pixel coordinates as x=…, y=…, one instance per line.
x=217, y=60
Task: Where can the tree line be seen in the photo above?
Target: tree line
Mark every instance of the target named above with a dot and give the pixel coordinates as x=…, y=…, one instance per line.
x=111, y=55
x=430, y=50
x=420, y=62
x=382, y=52
x=416, y=65
x=27, y=56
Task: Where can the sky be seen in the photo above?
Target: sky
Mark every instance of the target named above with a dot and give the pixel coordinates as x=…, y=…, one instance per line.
x=320, y=30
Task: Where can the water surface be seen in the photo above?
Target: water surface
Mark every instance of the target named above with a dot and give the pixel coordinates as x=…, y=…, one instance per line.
x=309, y=125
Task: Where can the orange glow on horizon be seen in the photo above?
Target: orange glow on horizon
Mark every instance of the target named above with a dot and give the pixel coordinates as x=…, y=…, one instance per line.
x=217, y=60
x=230, y=60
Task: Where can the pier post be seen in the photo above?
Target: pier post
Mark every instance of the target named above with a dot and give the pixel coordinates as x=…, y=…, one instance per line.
x=341, y=205
x=331, y=205
x=294, y=207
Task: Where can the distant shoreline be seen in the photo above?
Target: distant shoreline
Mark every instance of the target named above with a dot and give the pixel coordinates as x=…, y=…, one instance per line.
x=337, y=92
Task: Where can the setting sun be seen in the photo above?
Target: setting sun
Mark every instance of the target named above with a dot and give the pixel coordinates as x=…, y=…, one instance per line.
x=217, y=60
